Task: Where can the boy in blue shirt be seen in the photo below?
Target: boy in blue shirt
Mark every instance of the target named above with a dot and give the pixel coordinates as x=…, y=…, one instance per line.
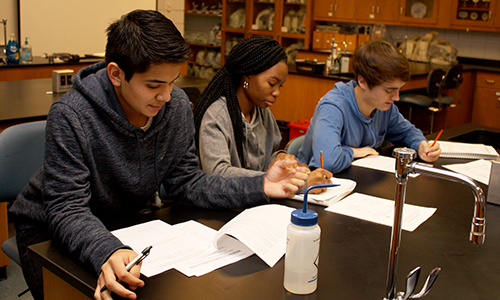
x=354, y=118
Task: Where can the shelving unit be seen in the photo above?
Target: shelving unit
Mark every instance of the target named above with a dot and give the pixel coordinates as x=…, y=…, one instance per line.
x=202, y=19
x=277, y=19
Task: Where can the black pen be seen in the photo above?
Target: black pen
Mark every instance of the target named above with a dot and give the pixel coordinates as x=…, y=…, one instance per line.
x=137, y=260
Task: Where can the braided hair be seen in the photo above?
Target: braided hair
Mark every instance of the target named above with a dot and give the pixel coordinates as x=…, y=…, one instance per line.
x=251, y=56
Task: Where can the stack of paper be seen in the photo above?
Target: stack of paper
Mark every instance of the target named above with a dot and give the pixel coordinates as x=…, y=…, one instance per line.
x=467, y=151
x=195, y=249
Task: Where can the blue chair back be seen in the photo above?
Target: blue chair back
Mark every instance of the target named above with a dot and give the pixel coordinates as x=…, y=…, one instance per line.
x=21, y=155
x=293, y=146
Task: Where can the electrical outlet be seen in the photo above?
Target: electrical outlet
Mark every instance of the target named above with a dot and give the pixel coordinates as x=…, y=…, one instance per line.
x=61, y=80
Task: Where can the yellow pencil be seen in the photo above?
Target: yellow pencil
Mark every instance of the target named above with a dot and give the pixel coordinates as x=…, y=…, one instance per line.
x=321, y=158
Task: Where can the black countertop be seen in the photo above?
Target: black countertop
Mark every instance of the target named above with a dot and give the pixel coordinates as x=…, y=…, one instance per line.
x=42, y=61
x=419, y=68
x=353, y=252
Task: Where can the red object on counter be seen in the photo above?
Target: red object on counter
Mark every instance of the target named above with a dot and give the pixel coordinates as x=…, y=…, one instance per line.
x=298, y=128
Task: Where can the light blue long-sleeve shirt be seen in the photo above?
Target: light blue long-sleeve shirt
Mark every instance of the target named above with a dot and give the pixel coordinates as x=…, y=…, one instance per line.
x=338, y=125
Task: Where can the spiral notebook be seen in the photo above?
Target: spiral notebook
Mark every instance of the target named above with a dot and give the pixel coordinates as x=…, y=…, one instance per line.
x=467, y=151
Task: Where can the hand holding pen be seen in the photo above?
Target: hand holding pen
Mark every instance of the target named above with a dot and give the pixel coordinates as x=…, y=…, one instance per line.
x=319, y=176
x=430, y=152
x=137, y=260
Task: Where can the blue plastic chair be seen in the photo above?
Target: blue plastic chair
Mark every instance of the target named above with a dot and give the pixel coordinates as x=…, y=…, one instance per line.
x=21, y=155
x=293, y=146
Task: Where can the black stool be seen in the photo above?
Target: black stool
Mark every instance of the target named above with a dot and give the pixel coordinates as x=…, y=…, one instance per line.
x=437, y=81
x=434, y=90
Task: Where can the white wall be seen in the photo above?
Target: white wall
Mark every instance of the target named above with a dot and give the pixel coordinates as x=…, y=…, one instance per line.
x=72, y=26
x=46, y=36
x=8, y=11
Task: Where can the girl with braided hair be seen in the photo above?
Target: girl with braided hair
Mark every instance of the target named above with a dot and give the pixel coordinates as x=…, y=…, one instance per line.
x=237, y=134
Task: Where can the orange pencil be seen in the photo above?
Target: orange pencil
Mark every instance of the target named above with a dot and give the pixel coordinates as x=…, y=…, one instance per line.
x=321, y=158
x=435, y=140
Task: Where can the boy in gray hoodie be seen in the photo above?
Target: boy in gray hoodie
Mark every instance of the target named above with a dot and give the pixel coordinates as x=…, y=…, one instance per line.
x=123, y=130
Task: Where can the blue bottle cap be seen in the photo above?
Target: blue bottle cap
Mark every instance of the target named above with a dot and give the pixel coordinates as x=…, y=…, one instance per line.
x=309, y=218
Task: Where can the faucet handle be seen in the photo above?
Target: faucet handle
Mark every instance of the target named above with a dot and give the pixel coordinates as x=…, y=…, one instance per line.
x=428, y=284
x=411, y=282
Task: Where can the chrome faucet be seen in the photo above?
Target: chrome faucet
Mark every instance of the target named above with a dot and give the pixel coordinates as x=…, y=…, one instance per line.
x=404, y=167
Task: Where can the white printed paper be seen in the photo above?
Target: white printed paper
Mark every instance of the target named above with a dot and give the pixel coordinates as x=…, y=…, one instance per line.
x=381, y=211
x=478, y=170
x=378, y=162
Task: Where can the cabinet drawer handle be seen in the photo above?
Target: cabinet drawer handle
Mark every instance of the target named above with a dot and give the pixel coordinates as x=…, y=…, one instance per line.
x=331, y=7
x=378, y=10
x=497, y=94
x=401, y=10
x=490, y=81
x=336, y=7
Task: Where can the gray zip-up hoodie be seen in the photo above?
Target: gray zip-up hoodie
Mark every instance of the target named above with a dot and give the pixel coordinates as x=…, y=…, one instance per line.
x=98, y=167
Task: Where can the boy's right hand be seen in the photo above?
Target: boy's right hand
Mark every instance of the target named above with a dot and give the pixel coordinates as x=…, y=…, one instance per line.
x=114, y=271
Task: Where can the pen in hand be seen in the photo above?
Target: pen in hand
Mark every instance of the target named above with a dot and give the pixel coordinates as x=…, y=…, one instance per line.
x=322, y=163
x=137, y=260
x=437, y=137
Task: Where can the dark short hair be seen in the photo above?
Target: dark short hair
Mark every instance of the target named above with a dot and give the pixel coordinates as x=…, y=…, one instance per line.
x=379, y=61
x=143, y=38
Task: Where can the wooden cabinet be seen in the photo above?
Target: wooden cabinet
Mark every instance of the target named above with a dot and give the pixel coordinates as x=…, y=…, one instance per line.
x=377, y=10
x=496, y=17
x=299, y=96
x=472, y=14
x=287, y=21
x=418, y=11
x=322, y=40
x=486, y=109
x=330, y=10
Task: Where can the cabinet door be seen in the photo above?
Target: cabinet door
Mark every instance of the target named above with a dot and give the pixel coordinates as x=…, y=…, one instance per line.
x=387, y=10
x=377, y=10
x=418, y=11
x=333, y=9
x=496, y=16
x=365, y=9
x=323, y=9
x=470, y=14
x=486, y=110
x=319, y=41
x=344, y=9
